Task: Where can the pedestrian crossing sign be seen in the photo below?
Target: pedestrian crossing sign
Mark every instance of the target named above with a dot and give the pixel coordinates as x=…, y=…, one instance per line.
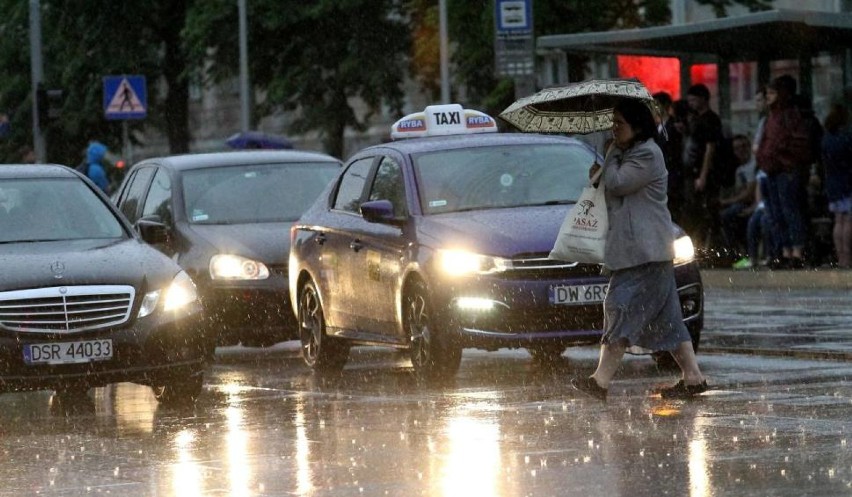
x=125, y=97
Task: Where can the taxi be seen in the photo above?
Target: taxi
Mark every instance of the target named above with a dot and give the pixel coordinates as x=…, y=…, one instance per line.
x=439, y=241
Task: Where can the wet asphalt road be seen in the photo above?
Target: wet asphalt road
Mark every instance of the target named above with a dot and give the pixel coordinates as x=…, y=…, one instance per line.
x=776, y=424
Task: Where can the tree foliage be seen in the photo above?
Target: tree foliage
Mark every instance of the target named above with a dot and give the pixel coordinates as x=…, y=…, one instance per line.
x=83, y=41
x=313, y=59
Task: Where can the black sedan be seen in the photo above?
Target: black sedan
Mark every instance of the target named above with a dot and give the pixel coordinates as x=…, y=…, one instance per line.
x=437, y=243
x=227, y=216
x=84, y=301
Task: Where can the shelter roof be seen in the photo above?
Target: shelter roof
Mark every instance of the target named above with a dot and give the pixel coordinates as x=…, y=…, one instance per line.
x=772, y=34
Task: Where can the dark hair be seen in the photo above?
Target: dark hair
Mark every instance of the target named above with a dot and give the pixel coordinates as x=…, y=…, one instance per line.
x=837, y=118
x=784, y=83
x=681, y=110
x=699, y=90
x=663, y=98
x=639, y=117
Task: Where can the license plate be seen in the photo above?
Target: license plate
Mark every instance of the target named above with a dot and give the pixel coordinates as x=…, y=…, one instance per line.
x=578, y=294
x=68, y=352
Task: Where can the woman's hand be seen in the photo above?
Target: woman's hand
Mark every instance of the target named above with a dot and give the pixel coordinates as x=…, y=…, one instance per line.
x=594, y=169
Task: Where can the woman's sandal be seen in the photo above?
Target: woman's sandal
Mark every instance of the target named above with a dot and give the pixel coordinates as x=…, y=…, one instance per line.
x=683, y=391
x=590, y=387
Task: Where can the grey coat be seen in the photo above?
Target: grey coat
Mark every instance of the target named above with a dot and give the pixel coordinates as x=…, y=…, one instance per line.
x=640, y=225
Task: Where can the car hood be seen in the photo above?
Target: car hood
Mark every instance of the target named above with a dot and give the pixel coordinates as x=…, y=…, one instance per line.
x=84, y=262
x=265, y=242
x=498, y=232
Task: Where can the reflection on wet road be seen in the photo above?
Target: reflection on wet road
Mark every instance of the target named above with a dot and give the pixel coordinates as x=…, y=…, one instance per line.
x=801, y=322
x=504, y=427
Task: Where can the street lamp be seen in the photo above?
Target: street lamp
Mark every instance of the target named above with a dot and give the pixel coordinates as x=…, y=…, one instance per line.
x=36, y=76
x=445, y=67
x=244, y=76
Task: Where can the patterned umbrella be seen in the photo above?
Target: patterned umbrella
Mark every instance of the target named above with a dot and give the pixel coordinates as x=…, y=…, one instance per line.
x=584, y=107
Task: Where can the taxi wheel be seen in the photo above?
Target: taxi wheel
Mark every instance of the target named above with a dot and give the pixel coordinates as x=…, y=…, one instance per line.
x=319, y=351
x=431, y=355
x=179, y=391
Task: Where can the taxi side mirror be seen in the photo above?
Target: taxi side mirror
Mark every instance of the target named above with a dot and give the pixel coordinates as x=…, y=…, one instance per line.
x=379, y=211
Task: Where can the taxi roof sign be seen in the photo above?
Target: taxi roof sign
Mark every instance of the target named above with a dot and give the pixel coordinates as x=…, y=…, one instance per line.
x=442, y=120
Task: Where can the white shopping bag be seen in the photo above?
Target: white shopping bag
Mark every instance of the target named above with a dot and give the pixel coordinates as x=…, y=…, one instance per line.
x=582, y=237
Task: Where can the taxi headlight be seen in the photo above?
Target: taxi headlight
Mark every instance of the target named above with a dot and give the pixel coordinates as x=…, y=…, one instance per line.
x=235, y=267
x=178, y=294
x=460, y=263
x=684, y=250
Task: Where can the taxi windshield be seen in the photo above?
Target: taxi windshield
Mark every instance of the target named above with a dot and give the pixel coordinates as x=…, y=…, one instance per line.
x=254, y=193
x=503, y=176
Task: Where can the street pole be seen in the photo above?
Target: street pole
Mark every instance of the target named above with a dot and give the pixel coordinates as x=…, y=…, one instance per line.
x=445, y=67
x=244, y=76
x=36, y=76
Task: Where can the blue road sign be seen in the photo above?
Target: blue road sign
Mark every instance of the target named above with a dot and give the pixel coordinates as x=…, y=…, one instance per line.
x=513, y=17
x=125, y=97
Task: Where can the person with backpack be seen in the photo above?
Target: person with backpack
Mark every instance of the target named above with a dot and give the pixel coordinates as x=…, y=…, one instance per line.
x=785, y=154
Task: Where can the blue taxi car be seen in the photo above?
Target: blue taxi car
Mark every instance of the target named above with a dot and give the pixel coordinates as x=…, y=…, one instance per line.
x=439, y=241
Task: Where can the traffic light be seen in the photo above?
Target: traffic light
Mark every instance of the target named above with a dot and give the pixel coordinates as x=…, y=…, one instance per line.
x=49, y=105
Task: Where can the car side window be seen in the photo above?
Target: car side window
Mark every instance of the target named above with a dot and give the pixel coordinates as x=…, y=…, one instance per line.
x=352, y=185
x=388, y=185
x=135, y=190
x=159, y=200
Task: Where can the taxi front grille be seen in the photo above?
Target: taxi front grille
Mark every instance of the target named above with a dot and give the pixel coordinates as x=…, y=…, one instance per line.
x=66, y=309
x=540, y=266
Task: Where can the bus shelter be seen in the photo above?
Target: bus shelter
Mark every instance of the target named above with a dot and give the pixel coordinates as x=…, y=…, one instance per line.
x=760, y=37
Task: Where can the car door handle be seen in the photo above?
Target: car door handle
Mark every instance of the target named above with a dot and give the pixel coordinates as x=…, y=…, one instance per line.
x=319, y=239
x=356, y=245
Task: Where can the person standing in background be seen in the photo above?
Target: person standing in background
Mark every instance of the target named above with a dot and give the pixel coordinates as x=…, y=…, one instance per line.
x=700, y=220
x=670, y=140
x=837, y=159
x=784, y=152
x=95, y=170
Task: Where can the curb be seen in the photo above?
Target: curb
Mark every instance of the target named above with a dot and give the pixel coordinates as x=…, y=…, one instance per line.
x=821, y=355
x=805, y=279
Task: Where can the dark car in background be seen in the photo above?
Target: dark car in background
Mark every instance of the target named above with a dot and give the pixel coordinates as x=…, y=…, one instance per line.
x=227, y=218
x=84, y=301
x=441, y=242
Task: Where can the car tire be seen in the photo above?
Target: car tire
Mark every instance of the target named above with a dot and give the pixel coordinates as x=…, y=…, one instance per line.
x=179, y=391
x=433, y=356
x=546, y=353
x=71, y=394
x=320, y=352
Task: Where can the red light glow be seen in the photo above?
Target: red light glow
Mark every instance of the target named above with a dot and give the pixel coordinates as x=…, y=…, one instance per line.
x=656, y=73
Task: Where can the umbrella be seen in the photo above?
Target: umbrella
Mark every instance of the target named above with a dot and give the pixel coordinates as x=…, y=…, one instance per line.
x=584, y=107
x=258, y=139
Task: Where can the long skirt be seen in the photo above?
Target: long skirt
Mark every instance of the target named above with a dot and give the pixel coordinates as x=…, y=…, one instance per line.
x=642, y=309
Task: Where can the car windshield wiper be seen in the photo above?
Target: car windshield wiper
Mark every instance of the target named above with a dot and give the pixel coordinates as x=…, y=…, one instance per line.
x=38, y=240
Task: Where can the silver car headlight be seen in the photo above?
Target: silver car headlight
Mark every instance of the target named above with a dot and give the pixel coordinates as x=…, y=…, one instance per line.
x=235, y=267
x=684, y=250
x=461, y=262
x=180, y=292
